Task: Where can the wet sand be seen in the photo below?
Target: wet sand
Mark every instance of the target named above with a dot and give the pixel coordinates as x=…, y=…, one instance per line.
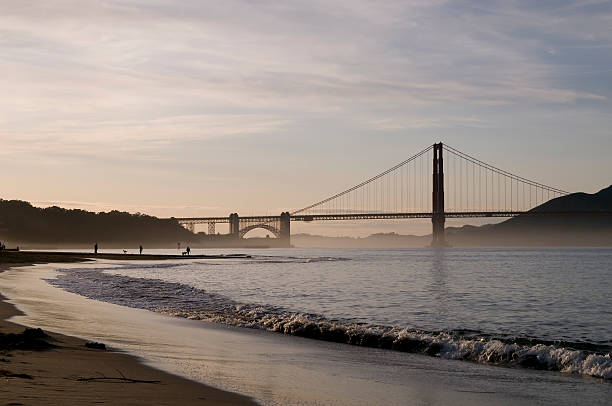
x=39, y=257
x=71, y=373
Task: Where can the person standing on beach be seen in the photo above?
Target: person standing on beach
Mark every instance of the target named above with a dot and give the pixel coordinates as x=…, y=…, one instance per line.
x=188, y=250
x=95, y=248
x=140, y=248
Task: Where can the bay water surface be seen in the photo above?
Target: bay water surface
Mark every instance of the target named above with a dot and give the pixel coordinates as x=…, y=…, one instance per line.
x=520, y=310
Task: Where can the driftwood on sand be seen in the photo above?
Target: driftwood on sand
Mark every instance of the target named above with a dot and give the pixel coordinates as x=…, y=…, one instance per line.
x=113, y=379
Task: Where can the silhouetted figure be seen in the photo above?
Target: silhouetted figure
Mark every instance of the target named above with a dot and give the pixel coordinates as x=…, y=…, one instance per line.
x=95, y=248
x=188, y=250
x=140, y=249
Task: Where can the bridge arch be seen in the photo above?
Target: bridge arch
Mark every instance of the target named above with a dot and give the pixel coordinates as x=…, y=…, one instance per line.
x=273, y=230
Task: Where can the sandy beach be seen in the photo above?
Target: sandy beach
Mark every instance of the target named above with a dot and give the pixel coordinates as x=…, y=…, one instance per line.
x=54, y=369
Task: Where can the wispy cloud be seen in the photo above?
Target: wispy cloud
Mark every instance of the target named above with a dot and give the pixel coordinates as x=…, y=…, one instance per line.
x=421, y=122
x=129, y=59
x=103, y=81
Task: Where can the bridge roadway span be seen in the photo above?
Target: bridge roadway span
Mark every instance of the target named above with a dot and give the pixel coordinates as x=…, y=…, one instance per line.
x=382, y=216
x=280, y=225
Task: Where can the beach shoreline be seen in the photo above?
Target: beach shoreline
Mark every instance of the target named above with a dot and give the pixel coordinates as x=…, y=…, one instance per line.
x=273, y=369
x=69, y=372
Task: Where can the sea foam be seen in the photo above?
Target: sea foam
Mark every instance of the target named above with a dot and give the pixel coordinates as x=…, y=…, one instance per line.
x=185, y=301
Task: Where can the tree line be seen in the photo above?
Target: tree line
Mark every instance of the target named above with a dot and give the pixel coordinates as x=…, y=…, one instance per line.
x=20, y=223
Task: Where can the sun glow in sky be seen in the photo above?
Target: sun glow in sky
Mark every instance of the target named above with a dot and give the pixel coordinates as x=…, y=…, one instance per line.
x=201, y=108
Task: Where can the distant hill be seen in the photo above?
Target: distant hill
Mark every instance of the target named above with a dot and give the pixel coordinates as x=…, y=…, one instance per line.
x=575, y=230
x=25, y=225
x=380, y=240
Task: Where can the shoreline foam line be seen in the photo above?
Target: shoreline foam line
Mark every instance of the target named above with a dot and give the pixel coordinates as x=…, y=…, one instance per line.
x=187, y=302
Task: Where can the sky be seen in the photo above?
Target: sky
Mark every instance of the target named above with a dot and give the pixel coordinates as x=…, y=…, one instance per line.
x=203, y=108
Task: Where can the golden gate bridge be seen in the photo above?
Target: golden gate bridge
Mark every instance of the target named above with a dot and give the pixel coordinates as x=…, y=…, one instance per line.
x=457, y=185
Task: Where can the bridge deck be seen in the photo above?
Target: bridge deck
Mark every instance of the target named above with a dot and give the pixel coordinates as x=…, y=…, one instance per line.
x=382, y=216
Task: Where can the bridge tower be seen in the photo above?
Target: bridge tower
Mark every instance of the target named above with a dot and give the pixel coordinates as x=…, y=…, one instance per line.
x=234, y=226
x=438, y=216
x=285, y=229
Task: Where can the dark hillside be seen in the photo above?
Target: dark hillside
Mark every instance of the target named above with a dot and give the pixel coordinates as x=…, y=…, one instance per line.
x=575, y=202
x=23, y=224
x=572, y=230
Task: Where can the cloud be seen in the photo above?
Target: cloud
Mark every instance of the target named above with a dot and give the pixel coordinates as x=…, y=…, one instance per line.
x=135, y=80
x=423, y=122
x=111, y=56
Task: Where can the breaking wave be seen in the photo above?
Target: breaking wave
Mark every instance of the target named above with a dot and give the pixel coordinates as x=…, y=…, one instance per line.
x=181, y=300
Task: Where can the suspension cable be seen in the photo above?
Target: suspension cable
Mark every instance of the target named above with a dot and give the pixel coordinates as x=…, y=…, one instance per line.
x=363, y=183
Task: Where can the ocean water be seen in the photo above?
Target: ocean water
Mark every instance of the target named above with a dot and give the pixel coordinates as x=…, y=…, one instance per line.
x=524, y=309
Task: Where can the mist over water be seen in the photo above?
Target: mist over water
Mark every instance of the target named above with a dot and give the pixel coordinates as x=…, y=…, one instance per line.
x=534, y=308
